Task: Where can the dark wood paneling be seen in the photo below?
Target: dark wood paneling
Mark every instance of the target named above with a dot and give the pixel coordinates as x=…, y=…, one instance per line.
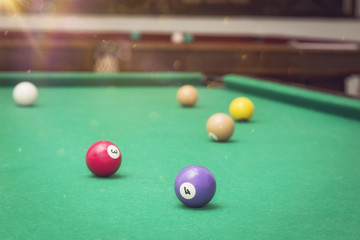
x=325, y=68
x=20, y=55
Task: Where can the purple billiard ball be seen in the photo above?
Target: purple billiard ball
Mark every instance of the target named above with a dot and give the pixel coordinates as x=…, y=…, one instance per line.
x=195, y=186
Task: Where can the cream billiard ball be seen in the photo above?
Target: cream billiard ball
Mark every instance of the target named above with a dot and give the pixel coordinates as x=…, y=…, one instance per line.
x=220, y=127
x=187, y=96
x=241, y=108
x=25, y=94
x=177, y=37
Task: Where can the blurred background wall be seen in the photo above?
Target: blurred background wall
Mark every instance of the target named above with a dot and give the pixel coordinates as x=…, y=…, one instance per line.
x=332, y=19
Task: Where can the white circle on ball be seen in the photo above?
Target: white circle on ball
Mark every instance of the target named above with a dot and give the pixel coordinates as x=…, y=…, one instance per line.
x=113, y=151
x=25, y=93
x=187, y=190
x=213, y=136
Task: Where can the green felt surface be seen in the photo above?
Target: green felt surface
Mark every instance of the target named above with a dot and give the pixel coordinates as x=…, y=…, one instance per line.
x=289, y=173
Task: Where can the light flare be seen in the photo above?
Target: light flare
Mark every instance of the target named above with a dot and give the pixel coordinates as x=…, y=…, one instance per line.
x=10, y=6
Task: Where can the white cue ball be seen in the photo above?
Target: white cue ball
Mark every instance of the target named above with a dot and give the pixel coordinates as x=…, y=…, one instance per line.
x=177, y=37
x=25, y=94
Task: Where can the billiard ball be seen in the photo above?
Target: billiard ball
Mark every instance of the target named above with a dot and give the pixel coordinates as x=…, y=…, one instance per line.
x=25, y=94
x=187, y=96
x=241, y=108
x=195, y=186
x=188, y=38
x=177, y=37
x=103, y=158
x=220, y=127
x=135, y=36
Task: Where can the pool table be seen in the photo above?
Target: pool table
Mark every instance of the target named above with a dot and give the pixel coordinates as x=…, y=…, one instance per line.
x=291, y=172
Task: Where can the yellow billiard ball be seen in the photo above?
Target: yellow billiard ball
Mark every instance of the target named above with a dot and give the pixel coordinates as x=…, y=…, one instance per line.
x=241, y=108
x=187, y=95
x=220, y=127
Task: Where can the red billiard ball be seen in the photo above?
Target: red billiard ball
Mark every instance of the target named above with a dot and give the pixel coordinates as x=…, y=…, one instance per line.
x=103, y=158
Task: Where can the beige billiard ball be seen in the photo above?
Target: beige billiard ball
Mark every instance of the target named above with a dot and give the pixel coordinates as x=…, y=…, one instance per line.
x=187, y=95
x=220, y=127
x=177, y=37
